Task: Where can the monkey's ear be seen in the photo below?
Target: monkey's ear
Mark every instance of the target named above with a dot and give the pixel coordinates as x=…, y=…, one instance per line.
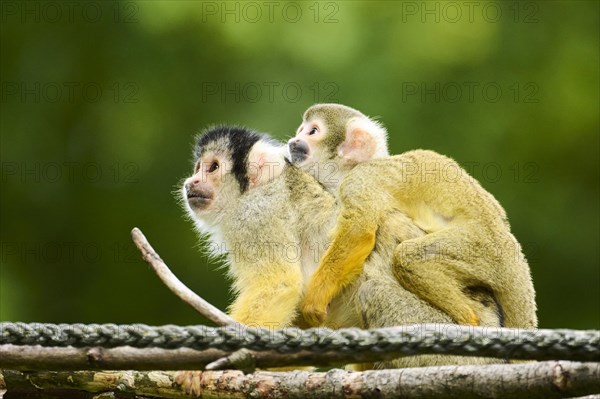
x=365, y=140
x=265, y=162
x=359, y=146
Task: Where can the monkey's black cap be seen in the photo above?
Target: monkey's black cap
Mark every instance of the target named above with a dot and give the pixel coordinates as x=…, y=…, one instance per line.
x=237, y=141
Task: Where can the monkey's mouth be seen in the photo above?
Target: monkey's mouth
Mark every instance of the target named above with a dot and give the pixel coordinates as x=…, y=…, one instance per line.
x=198, y=199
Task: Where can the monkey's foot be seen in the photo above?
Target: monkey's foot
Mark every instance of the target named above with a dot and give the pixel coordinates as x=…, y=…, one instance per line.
x=190, y=382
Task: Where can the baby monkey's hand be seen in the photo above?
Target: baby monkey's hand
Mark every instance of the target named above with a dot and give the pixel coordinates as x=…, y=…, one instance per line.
x=316, y=301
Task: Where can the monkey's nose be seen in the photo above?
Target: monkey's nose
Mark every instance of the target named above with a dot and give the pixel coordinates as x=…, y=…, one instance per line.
x=298, y=150
x=190, y=185
x=299, y=146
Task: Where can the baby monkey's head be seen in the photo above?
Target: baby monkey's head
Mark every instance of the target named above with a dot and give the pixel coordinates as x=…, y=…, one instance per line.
x=333, y=138
x=229, y=160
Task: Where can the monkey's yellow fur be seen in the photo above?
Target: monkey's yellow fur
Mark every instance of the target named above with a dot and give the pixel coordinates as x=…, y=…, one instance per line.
x=255, y=307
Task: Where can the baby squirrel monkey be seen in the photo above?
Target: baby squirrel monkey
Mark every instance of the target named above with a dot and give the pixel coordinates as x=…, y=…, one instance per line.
x=468, y=243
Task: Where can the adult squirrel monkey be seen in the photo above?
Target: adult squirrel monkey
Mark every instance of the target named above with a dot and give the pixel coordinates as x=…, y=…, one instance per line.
x=270, y=220
x=467, y=243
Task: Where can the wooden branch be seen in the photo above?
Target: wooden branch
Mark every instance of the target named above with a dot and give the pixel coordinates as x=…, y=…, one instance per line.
x=550, y=379
x=35, y=357
x=27, y=358
x=175, y=285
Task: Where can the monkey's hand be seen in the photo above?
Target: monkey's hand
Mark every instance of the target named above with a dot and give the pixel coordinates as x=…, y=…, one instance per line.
x=316, y=300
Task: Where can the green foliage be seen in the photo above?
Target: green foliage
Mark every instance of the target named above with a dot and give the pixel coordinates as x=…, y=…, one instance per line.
x=99, y=111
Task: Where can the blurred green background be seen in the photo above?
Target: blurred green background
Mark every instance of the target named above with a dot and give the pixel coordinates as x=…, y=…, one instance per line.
x=100, y=102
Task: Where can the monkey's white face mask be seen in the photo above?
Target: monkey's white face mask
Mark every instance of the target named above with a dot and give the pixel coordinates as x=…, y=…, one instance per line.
x=214, y=187
x=312, y=149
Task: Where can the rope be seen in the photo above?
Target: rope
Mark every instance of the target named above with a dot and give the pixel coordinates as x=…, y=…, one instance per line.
x=405, y=340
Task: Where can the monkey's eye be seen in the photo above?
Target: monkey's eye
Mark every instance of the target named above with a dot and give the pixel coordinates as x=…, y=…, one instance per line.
x=213, y=166
x=312, y=131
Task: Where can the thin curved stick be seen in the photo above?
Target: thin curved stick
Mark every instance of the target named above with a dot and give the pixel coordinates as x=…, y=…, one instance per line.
x=163, y=272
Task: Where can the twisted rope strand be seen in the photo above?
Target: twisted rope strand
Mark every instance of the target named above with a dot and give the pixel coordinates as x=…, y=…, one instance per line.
x=510, y=343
